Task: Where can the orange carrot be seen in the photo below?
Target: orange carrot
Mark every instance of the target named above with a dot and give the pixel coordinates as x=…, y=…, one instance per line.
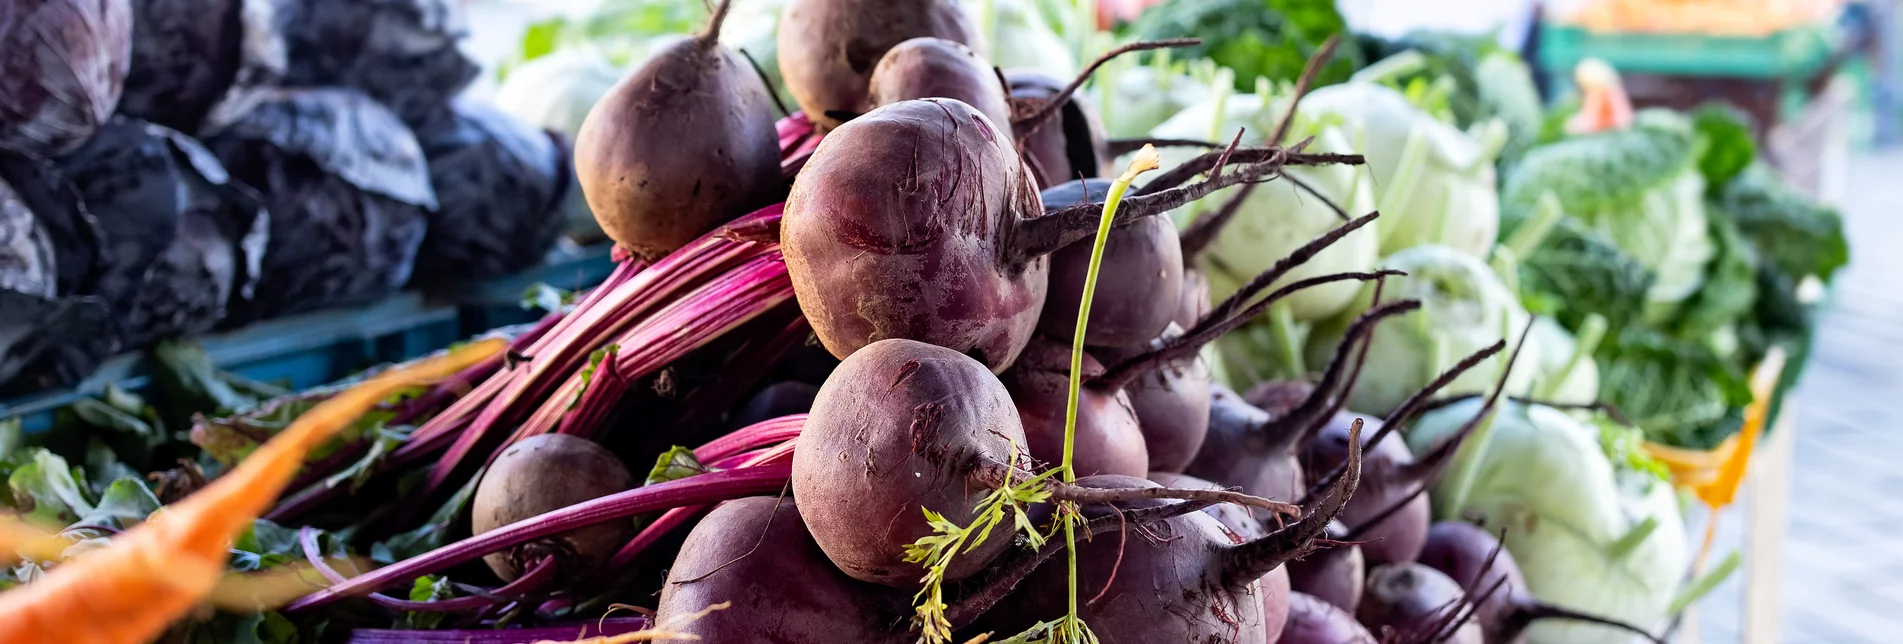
x=155, y=573
x=1603, y=102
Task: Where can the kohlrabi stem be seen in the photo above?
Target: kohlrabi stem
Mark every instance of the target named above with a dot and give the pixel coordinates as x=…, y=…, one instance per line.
x=1591, y=332
x=1704, y=585
x=1632, y=539
x=1476, y=437
x=1406, y=180
x=1392, y=67
x=1288, y=341
x=1532, y=232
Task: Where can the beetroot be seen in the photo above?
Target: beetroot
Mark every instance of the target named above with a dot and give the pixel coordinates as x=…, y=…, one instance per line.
x=1171, y=401
x=938, y=68
x=1392, y=474
x=904, y=425
x=1332, y=574
x=1313, y=621
x=1193, y=298
x=700, y=106
x=912, y=192
x=544, y=473
x=1243, y=527
x=829, y=48
x=1140, y=283
x=1196, y=585
x=889, y=206
x=898, y=427
x=1407, y=600
x=756, y=554
x=64, y=68
x=1237, y=451
x=1072, y=147
x=1108, y=437
x=1473, y=558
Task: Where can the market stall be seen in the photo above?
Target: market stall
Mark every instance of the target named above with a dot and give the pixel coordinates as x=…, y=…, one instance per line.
x=877, y=320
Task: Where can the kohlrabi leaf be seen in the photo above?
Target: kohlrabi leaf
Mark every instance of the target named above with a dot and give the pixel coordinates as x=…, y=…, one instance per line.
x=1577, y=272
x=1679, y=392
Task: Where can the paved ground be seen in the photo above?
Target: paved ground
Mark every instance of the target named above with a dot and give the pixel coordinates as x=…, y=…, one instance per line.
x=1843, y=560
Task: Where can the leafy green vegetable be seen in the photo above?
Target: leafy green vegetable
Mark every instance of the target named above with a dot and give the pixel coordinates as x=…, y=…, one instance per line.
x=1257, y=38
x=1680, y=392
x=1484, y=81
x=383, y=441
x=48, y=490
x=188, y=383
x=126, y=503
x=675, y=464
x=1792, y=231
x=1578, y=272
x=1729, y=143
x=268, y=627
x=1731, y=287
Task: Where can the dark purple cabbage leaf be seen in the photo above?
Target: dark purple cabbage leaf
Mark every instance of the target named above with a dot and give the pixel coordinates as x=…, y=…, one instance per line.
x=48, y=337
x=62, y=65
x=348, y=194
x=197, y=64
x=182, y=241
x=501, y=185
x=403, y=53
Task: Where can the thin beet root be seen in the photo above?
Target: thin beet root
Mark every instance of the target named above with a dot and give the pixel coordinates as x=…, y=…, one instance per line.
x=1404, y=599
x=939, y=68
x=1391, y=475
x=1139, y=286
x=1190, y=583
x=1313, y=621
x=1243, y=527
x=829, y=48
x=654, y=190
x=1474, y=558
x=1333, y=574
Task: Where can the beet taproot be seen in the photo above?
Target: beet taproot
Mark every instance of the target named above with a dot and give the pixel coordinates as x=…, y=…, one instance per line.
x=541, y=474
x=682, y=145
x=829, y=48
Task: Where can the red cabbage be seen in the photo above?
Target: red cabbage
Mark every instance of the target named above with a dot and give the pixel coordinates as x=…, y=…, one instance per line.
x=61, y=70
x=48, y=337
x=347, y=190
x=403, y=53
x=181, y=240
x=501, y=186
x=197, y=64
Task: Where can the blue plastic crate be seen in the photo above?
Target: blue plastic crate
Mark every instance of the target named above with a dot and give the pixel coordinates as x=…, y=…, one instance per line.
x=320, y=347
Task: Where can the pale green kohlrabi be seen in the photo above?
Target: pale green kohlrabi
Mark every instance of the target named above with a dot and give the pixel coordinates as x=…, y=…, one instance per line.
x=1133, y=98
x=1589, y=533
x=1020, y=38
x=1436, y=184
x=1464, y=308
x=1277, y=218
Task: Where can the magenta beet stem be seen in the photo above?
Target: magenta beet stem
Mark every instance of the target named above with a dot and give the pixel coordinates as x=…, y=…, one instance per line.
x=609, y=627
x=537, y=576
x=757, y=435
x=695, y=490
